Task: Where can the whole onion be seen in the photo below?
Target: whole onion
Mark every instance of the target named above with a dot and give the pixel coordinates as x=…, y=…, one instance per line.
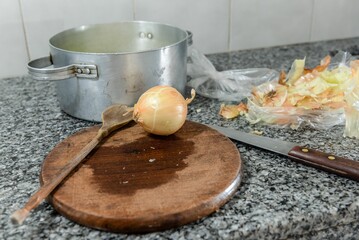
x=161, y=110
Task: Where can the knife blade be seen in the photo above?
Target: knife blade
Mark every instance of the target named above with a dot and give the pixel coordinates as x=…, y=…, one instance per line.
x=328, y=162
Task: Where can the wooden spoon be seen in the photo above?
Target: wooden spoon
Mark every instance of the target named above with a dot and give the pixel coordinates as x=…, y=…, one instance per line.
x=113, y=118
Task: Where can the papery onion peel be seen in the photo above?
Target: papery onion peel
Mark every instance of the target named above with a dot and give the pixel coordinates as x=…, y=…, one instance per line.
x=232, y=111
x=326, y=87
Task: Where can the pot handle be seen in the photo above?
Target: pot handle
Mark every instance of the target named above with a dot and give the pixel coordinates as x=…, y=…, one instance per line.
x=39, y=70
x=189, y=38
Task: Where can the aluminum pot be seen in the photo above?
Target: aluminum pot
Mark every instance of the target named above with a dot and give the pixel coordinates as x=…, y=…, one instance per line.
x=96, y=66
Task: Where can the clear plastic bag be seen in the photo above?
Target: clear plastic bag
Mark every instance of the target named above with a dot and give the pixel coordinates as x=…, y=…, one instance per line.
x=352, y=99
x=238, y=86
x=231, y=85
x=294, y=117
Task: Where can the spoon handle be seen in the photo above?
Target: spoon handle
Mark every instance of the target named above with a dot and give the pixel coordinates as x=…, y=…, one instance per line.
x=19, y=216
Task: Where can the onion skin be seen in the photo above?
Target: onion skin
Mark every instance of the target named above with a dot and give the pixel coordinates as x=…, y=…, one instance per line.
x=161, y=110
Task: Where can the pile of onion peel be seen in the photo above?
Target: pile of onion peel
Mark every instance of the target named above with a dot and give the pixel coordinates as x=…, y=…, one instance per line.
x=316, y=88
x=352, y=109
x=161, y=110
x=312, y=89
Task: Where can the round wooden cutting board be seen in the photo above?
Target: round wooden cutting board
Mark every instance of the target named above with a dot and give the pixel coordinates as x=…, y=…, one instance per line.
x=137, y=182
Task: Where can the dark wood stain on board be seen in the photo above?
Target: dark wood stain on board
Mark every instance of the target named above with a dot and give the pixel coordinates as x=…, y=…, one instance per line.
x=145, y=163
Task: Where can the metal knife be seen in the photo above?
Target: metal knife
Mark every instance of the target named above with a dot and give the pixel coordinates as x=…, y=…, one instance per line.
x=314, y=158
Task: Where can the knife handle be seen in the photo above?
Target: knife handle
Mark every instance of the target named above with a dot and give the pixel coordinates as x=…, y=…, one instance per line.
x=328, y=162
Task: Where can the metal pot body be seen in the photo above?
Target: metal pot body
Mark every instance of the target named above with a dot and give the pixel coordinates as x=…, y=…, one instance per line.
x=101, y=65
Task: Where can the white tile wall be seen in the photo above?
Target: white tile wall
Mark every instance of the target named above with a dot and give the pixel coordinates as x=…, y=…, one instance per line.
x=13, y=54
x=217, y=25
x=335, y=19
x=258, y=23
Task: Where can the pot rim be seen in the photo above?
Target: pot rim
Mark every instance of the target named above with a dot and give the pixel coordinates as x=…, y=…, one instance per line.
x=187, y=34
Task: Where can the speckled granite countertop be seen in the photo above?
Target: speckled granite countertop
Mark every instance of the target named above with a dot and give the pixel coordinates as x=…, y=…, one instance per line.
x=277, y=198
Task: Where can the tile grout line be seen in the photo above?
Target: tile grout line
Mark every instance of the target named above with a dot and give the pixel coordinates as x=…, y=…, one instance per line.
x=134, y=9
x=229, y=25
x=24, y=30
x=311, y=21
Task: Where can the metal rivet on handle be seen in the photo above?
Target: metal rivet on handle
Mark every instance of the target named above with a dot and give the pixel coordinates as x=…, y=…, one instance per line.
x=331, y=157
x=86, y=71
x=149, y=35
x=79, y=70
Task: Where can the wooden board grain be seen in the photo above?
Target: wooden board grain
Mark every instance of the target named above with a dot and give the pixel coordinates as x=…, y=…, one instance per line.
x=136, y=182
